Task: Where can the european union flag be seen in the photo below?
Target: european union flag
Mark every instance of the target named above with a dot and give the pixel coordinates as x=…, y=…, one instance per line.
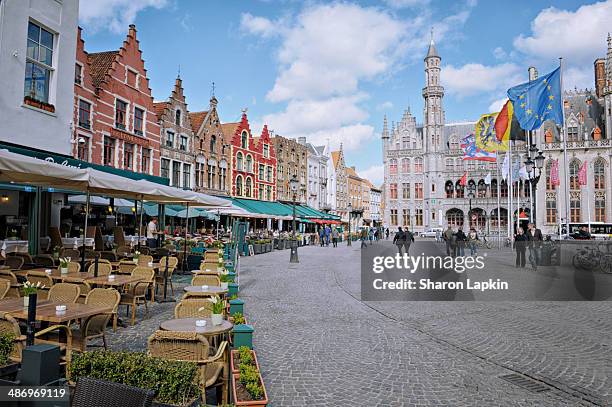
x=538, y=100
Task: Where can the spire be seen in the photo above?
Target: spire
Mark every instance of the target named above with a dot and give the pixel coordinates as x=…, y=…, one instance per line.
x=432, y=52
x=213, y=99
x=392, y=127
x=385, y=132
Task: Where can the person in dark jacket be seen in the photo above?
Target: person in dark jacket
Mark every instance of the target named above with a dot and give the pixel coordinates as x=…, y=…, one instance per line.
x=387, y=234
x=409, y=240
x=399, y=239
x=520, y=245
x=535, y=238
x=461, y=238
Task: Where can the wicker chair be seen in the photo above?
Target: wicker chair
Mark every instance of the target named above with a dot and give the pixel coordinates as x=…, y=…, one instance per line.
x=95, y=326
x=104, y=269
x=5, y=286
x=206, y=279
x=73, y=267
x=137, y=292
x=191, y=346
x=211, y=256
x=12, y=279
x=101, y=393
x=122, y=250
x=209, y=265
x=126, y=266
x=73, y=254
x=159, y=279
x=44, y=260
x=14, y=262
x=190, y=308
x=144, y=250
x=64, y=293
x=144, y=260
x=84, y=286
x=44, y=279
x=107, y=255
x=26, y=257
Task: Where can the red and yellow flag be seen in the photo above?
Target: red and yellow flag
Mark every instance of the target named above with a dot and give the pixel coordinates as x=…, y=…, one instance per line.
x=507, y=126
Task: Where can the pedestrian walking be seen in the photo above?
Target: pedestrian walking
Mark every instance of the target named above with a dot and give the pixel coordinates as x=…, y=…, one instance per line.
x=399, y=239
x=322, y=236
x=448, y=239
x=335, y=237
x=520, y=245
x=461, y=239
x=327, y=235
x=363, y=236
x=472, y=239
x=152, y=233
x=387, y=234
x=409, y=240
x=535, y=238
x=371, y=235
x=376, y=235
x=438, y=236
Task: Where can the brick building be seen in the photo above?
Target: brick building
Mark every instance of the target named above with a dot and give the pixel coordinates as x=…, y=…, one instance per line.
x=176, y=152
x=212, y=152
x=292, y=158
x=114, y=117
x=339, y=184
x=253, y=161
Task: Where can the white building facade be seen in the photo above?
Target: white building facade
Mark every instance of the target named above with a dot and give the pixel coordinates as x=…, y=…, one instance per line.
x=318, y=162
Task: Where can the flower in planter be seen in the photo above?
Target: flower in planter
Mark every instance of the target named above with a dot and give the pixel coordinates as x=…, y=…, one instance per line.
x=217, y=305
x=29, y=288
x=64, y=261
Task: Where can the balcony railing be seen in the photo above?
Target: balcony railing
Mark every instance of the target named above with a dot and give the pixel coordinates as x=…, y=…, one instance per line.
x=572, y=145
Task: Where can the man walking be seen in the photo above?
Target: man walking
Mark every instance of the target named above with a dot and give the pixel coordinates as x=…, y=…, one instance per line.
x=448, y=238
x=335, y=237
x=322, y=236
x=152, y=233
x=534, y=236
x=327, y=235
x=387, y=234
x=409, y=240
x=399, y=239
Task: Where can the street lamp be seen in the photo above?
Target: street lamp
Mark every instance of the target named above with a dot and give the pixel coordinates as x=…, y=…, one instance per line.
x=537, y=163
x=350, y=212
x=471, y=195
x=294, y=184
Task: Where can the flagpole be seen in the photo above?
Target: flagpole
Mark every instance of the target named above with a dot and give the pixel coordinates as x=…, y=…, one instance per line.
x=498, y=201
x=564, y=138
x=510, y=190
x=529, y=141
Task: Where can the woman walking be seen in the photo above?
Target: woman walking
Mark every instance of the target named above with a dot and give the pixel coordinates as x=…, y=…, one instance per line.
x=520, y=245
x=472, y=238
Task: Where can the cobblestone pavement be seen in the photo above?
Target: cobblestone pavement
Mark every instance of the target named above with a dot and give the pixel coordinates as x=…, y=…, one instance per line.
x=319, y=345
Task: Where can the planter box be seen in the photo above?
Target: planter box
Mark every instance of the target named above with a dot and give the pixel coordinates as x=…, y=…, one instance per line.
x=236, y=382
x=7, y=372
x=235, y=368
x=243, y=336
x=281, y=244
x=193, y=403
x=236, y=305
x=257, y=248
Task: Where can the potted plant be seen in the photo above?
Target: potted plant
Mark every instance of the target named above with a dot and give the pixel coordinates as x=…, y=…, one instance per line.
x=242, y=356
x=136, y=256
x=257, y=246
x=217, y=310
x=8, y=368
x=225, y=279
x=64, y=261
x=238, y=318
x=248, y=388
x=56, y=252
x=29, y=289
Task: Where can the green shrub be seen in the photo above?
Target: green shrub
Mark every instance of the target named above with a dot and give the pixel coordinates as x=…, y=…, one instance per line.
x=239, y=319
x=246, y=356
x=248, y=374
x=174, y=382
x=7, y=343
x=255, y=390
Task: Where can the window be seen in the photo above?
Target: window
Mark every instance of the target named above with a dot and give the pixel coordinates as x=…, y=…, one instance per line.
x=572, y=134
x=84, y=114
x=433, y=187
x=183, y=143
x=138, y=121
x=261, y=172
x=176, y=174
x=269, y=174
x=574, y=168
x=266, y=150
x=222, y=172
x=186, y=175
x=239, y=185
x=393, y=166
x=548, y=172
x=145, y=165
x=393, y=191
x=244, y=140
x=418, y=165
x=39, y=63
x=493, y=188
x=177, y=118
x=120, y=114
x=575, y=210
x=213, y=143
x=260, y=192
x=551, y=211
x=109, y=151
x=248, y=187
x=199, y=176
x=599, y=174
x=239, y=161
x=405, y=165
x=165, y=168
x=211, y=176
x=249, y=163
x=169, y=139
x=406, y=217
x=418, y=190
x=78, y=73
x=600, y=209
x=419, y=217
x=450, y=164
x=128, y=156
x=394, y=217
x=406, y=190
x=268, y=193
x=83, y=148
x=504, y=189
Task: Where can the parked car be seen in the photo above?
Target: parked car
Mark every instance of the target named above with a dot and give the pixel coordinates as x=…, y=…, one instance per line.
x=431, y=232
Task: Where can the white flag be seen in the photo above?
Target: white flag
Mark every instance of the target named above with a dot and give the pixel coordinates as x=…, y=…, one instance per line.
x=523, y=173
x=506, y=166
x=487, y=179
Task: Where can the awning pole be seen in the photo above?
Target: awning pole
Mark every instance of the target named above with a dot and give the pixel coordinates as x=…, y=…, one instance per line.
x=140, y=224
x=185, y=245
x=85, y=232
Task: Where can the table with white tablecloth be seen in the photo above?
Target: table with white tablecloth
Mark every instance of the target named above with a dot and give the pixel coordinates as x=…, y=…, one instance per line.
x=129, y=240
x=14, y=246
x=69, y=242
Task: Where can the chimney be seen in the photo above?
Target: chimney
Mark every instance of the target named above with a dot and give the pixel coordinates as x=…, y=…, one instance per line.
x=302, y=140
x=132, y=31
x=600, y=76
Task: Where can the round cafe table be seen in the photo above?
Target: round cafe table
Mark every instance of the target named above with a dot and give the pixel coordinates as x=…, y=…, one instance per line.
x=209, y=290
x=189, y=325
x=208, y=271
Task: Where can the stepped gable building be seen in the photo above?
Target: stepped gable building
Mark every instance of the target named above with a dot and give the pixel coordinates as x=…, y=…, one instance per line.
x=318, y=176
x=114, y=115
x=253, y=161
x=211, y=152
x=292, y=160
x=176, y=152
x=339, y=184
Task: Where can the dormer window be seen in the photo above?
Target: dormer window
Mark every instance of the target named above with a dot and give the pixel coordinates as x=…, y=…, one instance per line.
x=244, y=143
x=177, y=118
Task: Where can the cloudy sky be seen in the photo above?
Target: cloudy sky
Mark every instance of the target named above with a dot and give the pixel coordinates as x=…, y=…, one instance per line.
x=330, y=70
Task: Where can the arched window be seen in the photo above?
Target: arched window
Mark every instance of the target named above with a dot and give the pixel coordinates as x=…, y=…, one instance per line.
x=393, y=166
x=454, y=217
x=201, y=144
x=239, y=161
x=600, y=208
x=599, y=173
x=493, y=188
x=454, y=144
x=574, y=167
x=503, y=218
x=459, y=189
x=482, y=189
x=504, y=189
x=177, y=118
x=244, y=141
x=249, y=187
x=405, y=165
x=449, y=188
x=249, y=163
x=239, y=185
x=213, y=143
x=418, y=165
x=548, y=172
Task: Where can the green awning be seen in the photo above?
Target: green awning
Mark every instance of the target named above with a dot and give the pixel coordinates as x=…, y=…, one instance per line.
x=263, y=207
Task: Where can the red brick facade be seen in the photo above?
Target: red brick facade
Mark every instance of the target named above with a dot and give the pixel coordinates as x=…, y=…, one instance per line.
x=253, y=162
x=114, y=118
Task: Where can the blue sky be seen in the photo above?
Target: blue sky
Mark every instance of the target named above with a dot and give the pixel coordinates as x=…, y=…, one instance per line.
x=331, y=70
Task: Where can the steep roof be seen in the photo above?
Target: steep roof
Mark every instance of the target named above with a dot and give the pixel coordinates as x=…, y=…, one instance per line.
x=352, y=173
x=432, y=51
x=197, y=118
x=159, y=108
x=335, y=158
x=100, y=63
x=228, y=130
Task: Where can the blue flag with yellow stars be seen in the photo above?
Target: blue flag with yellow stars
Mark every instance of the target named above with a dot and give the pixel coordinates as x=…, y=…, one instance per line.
x=538, y=100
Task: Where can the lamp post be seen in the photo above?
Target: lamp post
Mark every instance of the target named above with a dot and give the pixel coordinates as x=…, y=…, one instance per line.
x=471, y=195
x=294, y=185
x=534, y=169
x=350, y=212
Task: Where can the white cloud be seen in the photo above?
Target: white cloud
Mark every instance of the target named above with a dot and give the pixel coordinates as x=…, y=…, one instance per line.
x=499, y=53
x=578, y=36
x=260, y=26
x=352, y=136
x=474, y=78
x=114, y=15
x=375, y=174
x=406, y=3
x=384, y=106
x=497, y=105
x=581, y=78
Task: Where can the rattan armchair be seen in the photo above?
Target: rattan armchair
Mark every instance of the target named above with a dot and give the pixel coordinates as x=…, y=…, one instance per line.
x=95, y=326
x=84, y=286
x=159, y=279
x=190, y=308
x=211, y=256
x=44, y=260
x=5, y=286
x=136, y=294
x=209, y=265
x=72, y=253
x=144, y=260
x=44, y=279
x=73, y=267
x=190, y=346
x=126, y=266
x=108, y=255
x=206, y=279
x=14, y=262
x=104, y=268
x=123, y=250
x=12, y=279
x=64, y=293
x=91, y=392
